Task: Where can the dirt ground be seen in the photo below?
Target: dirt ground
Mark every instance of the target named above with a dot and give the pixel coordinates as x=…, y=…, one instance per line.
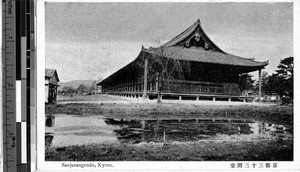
x=117, y=107
x=279, y=149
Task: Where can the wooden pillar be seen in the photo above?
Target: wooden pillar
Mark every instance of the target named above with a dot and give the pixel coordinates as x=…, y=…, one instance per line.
x=56, y=88
x=259, y=85
x=145, y=78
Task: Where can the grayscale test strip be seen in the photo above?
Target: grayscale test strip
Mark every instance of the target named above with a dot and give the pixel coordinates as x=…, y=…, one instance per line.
x=18, y=51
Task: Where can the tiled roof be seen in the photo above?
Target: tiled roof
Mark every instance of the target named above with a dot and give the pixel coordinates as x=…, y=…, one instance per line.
x=201, y=55
x=50, y=72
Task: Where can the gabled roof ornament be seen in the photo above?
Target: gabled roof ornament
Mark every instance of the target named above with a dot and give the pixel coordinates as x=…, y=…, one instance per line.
x=198, y=21
x=185, y=36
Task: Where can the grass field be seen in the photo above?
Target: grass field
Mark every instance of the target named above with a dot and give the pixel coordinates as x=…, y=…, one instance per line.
x=265, y=149
x=151, y=110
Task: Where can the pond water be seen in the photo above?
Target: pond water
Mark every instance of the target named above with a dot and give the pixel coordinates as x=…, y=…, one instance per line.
x=78, y=130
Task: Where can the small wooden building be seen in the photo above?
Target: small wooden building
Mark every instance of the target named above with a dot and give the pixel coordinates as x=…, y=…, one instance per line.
x=189, y=65
x=99, y=89
x=51, y=80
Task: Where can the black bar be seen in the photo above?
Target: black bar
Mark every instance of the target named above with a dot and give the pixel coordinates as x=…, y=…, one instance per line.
x=28, y=137
x=30, y=46
x=28, y=6
x=28, y=31
x=23, y=17
x=28, y=87
x=28, y=108
x=18, y=143
x=28, y=57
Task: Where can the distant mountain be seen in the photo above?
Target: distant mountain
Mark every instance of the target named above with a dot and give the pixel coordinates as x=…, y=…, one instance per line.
x=75, y=83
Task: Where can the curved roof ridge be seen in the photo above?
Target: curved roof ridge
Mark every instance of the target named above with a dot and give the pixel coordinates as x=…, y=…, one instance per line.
x=183, y=34
x=187, y=33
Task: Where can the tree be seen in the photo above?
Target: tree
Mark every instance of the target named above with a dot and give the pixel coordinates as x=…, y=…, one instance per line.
x=286, y=68
x=246, y=82
x=163, y=70
x=286, y=72
x=80, y=89
x=281, y=83
x=93, y=88
x=68, y=89
x=275, y=85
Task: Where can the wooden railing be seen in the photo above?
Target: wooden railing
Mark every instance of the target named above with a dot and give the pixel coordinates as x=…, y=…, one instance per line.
x=197, y=87
x=181, y=86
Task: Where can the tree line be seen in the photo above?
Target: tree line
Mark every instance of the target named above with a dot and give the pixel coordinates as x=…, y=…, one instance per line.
x=279, y=83
x=81, y=89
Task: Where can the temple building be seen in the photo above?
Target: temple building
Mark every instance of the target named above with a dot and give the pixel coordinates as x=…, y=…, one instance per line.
x=51, y=80
x=188, y=66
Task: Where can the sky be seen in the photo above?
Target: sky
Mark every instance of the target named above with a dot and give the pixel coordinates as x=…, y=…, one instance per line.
x=88, y=41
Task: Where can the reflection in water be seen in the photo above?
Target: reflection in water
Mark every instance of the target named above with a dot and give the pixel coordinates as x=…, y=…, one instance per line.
x=135, y=131
x=50, y=120
x=75, y=130
x=48, y=139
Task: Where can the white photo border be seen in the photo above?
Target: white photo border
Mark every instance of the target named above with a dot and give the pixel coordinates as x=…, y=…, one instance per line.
x=43, y=165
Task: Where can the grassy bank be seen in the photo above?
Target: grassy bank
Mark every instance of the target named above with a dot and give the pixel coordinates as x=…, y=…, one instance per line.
x=263, y=150
x=269, y=114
